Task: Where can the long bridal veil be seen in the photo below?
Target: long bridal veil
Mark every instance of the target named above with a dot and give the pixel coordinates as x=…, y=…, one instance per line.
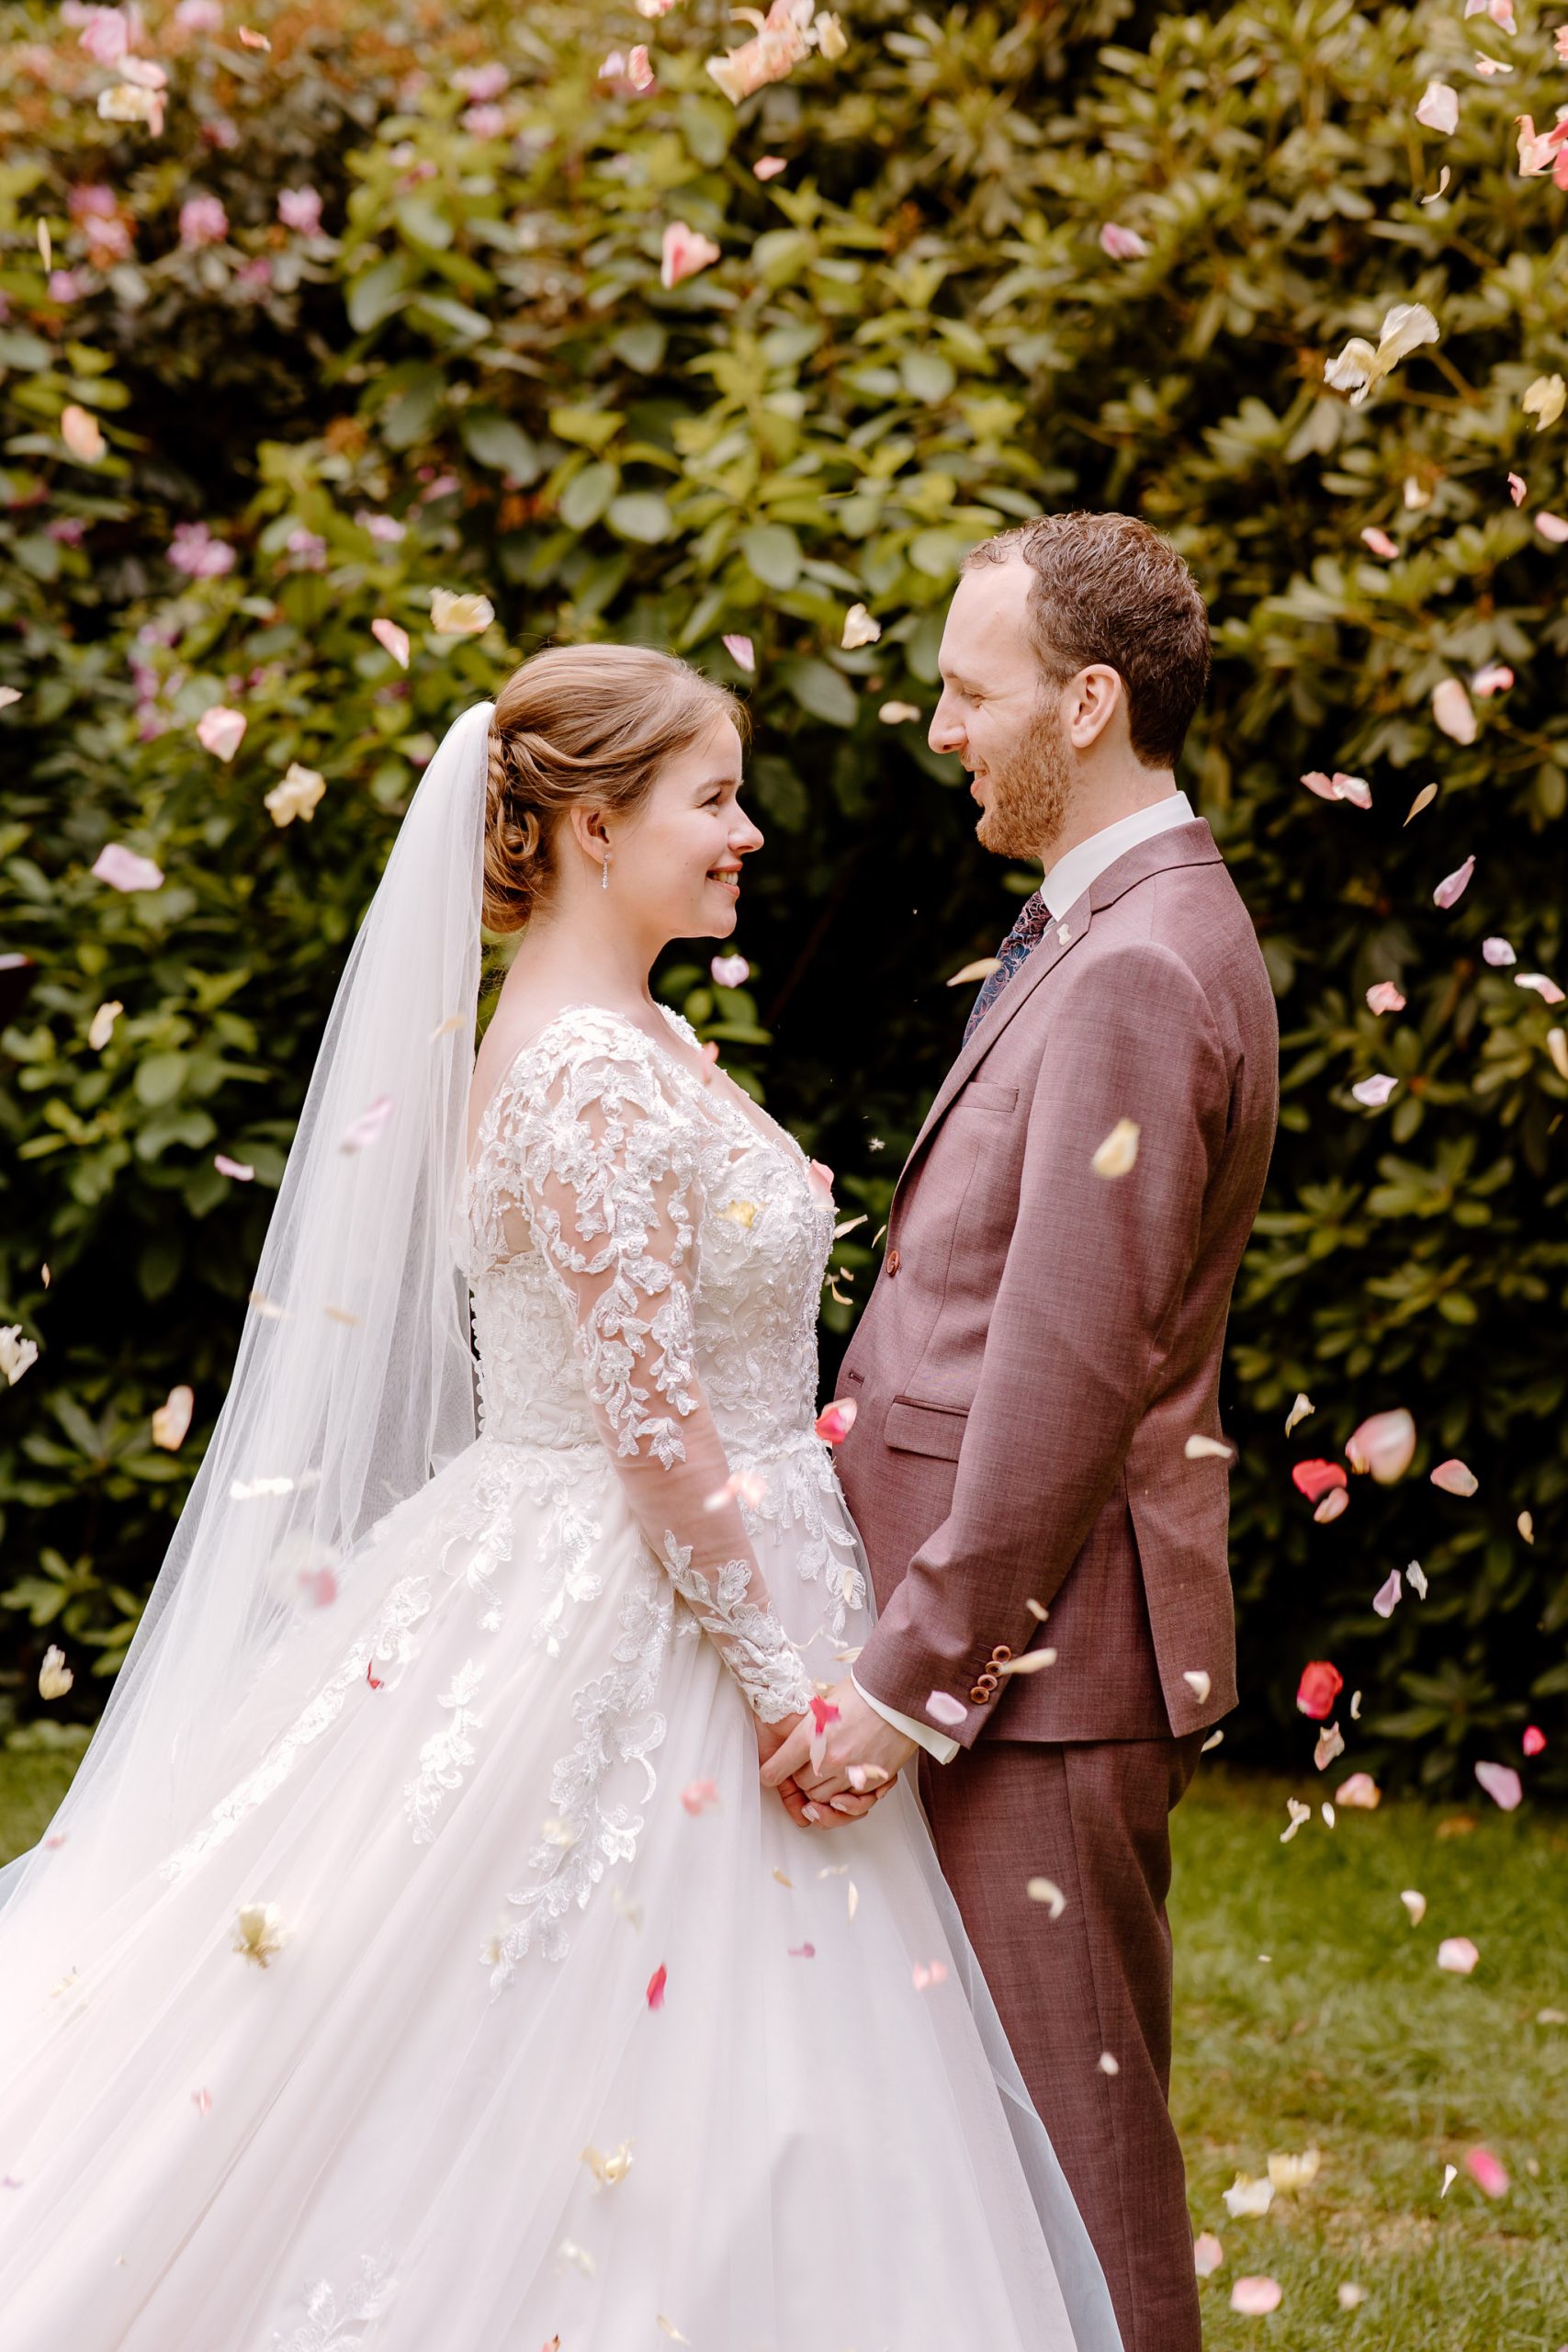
x=353, y=1383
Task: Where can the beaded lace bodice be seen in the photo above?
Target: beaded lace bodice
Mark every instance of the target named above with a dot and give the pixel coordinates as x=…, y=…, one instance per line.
x=644, y=1259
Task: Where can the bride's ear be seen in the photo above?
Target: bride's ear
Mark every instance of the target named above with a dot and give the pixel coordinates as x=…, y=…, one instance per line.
x=589, y=831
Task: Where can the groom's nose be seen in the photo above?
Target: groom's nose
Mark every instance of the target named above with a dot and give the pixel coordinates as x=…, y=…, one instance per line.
x=946, y=730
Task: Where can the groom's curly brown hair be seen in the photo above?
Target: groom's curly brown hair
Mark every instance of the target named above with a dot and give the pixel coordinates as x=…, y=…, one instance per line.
x=1108, y=588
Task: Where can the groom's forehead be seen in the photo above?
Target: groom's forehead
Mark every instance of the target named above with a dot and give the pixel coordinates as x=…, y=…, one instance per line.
x=987, y=621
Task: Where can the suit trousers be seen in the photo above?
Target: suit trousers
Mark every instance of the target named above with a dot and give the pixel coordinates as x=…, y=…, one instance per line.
x=1093, y=1984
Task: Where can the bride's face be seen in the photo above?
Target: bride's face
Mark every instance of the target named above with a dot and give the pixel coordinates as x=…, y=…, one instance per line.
x=681, y=855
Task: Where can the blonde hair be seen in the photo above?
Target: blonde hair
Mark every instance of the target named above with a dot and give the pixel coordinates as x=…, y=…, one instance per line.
x=575, y=724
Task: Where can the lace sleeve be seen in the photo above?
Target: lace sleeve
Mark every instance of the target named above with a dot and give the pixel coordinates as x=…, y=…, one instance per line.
x=607, y=1171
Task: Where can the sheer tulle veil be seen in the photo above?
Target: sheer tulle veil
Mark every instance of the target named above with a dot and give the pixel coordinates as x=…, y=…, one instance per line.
x=354, y=1380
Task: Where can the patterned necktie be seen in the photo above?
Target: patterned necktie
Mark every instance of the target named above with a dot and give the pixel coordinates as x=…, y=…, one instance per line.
x=1019, y=945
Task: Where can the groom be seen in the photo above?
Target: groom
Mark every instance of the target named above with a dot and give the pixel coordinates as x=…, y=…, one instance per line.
x=1043, y=1346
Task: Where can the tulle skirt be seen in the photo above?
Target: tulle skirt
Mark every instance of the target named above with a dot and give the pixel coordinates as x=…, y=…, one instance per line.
x=491, y=2003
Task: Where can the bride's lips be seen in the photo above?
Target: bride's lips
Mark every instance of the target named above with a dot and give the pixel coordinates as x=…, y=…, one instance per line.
x=727, y=881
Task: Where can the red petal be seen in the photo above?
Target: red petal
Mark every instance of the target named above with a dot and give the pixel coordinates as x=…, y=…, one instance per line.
x=1313, y=1479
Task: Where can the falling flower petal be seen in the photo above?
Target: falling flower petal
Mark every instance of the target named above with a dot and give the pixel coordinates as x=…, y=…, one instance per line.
x=1423, y=799
x=698, y=1795
x=1452, y=886
x=1046, y=1891
x=1384, y=996
x=1495, y=679
x=1118, y=1154
x=685, y=250
x=1360, y=366
x=1255, y=2296
x=730, y=971
x=171, y=1420
x=1030, y=1662
x=80, y=431
x=1414, y=1903
x=1386, y=1598
x=124, y=870
x=363, y=1131
x=297, y=796
x=1415, y=1576
x=924, y=1976
x=609, y=2170
x=1455, y=1477
x=1517, y=489
x=1551, y=528
x=1534, y=1739
x=102, y=1027
x=1198, y=1683
x=1313, y=1479
x=256, y=1936
x=1332, y=1505
x=1122, y=244
x=981, y=969
x=1546, y=990
x=943, y=1710
x=1502, y=1784
x=741, y=651
x=836, y=1421
x=1486, y=2172
x=1299, y=1410
x=1544, y=398
x=1451, y=2174
x=1380, y=542
x=1208, y=2254
x=54, y=1676
x=1348, y=2296
x=455, y=615
x=1437, y=108
x=656, y=1983
x=1207, y=1449
x=1556, y=1047
x=1374, y=1091
x=777, y=47
x=220, y=731
x=1300, y=1814
x=899, y=714
x=1360, y=1794
x=860, y=629
x=1498, y=951
x=768, y=168
x=1287, y=2172
x=1251, y=2198
x=1452, y=711
x=1330, y=1744
x=395, y=640
x=1384, y=1445
x=1457, y=1955
x=1320, y=1685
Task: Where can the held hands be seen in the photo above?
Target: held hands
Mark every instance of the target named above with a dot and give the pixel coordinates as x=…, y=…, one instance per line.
x=860, y=1743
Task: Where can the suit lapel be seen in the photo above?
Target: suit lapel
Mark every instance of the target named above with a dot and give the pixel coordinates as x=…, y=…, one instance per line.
x=1190, y=844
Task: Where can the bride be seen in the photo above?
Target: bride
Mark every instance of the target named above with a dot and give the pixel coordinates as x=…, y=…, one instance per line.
x=416, y=1962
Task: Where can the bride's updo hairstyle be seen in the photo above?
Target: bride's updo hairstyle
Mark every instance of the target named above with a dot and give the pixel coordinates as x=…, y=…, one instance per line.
x=591, y=723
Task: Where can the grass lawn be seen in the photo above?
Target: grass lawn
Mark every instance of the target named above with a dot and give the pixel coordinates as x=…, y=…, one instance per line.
x=1348, y=2038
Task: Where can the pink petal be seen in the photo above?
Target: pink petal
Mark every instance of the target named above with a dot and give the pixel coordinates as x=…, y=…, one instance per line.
x=823, y=1713
x=1353, y=788
x=730, y=971
x=1122, y=244
x=1385, y=1600
x=1452, y=886
x=1255, y=2296
x=1452, y=711
x=1498, y=951
x=1384, y=997
x=698, y=1795
x=220, y=731
x=1502, y=1784
x=803, y=1952
x=1457, y=1955
x=768, y=168
x=1375, y=1090
x=1455, y=1477
x=1384, y=1445
x=656, y=1983
x=1360, y=1794
x=1313, y=1479
x=124, y=870
x=1486, y=2172
x=819, y=1176
x=943, y=1710
x=685, y=250
x=1517, y=489
x=1320, y=1685
x=1380, y=542
x=741, y=650
x=1208, y=2254
x=395, y=640
x=1551, y=527
x=836, y=1420
x=364, y=1130
x=1544, y=987
x=1332, y=1505
x=1437, y=109
x=237, y=1169
x=1534, y=1740
x=1494, y=680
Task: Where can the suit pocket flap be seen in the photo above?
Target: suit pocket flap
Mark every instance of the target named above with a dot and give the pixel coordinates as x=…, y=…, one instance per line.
x=925, y=1429
x=985, y=1095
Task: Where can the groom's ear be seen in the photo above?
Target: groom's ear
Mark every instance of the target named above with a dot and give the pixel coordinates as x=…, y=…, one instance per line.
x=1094, y=701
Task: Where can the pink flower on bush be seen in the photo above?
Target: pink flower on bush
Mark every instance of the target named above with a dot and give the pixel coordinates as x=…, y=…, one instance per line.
x=94, y=197
x=194, y=551
x=64, y=286
x=255, y=277
x=481, y=82
x=200, y=17
x=106, y=36
x=485, y=122
x=308, y=549
x=203, y=221
x=300, y=209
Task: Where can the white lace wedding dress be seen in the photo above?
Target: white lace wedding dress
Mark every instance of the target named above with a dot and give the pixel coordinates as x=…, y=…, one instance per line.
x=495, y=2005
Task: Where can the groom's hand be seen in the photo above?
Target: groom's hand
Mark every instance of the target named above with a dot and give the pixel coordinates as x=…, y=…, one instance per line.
x=859, y=1738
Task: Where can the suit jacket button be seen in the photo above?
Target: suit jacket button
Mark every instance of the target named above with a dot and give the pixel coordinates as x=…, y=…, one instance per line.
x=1000, y=1653
x=979, y=1696
x=988, y=1683
x=894, y=1261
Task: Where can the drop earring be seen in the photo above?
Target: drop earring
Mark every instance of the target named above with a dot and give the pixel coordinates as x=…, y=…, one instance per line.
x=604, y=872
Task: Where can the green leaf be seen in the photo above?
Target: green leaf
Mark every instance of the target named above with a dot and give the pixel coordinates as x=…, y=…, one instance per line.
x=379, y=292
x=819, y=689
x=772, y=554
x=927, y=375
x=492, y=439
x=587, y=494
x=643, y=516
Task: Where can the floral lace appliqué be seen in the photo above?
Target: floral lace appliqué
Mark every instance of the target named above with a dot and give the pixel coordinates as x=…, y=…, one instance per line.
x=334, y=2325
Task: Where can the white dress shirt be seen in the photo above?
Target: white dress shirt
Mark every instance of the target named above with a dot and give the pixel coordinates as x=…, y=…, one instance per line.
x=1063, y=887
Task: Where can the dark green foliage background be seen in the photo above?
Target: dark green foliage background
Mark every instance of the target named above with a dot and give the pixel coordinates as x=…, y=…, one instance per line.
x=912, y=337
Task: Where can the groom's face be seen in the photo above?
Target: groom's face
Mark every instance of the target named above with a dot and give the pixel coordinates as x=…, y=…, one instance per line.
x=1001, y=714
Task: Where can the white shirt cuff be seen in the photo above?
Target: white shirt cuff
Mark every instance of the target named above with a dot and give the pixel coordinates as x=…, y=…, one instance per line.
x=935, y=1742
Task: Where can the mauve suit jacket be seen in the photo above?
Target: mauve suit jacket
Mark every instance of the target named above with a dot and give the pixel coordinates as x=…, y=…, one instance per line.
x=1042, y=1341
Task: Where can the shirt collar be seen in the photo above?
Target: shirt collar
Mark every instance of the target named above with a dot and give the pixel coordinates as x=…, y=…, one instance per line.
x=1073, y=874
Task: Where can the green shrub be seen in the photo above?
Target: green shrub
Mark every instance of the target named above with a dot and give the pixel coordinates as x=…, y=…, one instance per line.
x=912, y=337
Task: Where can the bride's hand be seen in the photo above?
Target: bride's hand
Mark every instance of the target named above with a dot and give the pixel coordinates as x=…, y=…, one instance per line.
x=805, y=1811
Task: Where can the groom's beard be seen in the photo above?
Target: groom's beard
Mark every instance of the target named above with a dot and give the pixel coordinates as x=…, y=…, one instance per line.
x=1026, y=804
